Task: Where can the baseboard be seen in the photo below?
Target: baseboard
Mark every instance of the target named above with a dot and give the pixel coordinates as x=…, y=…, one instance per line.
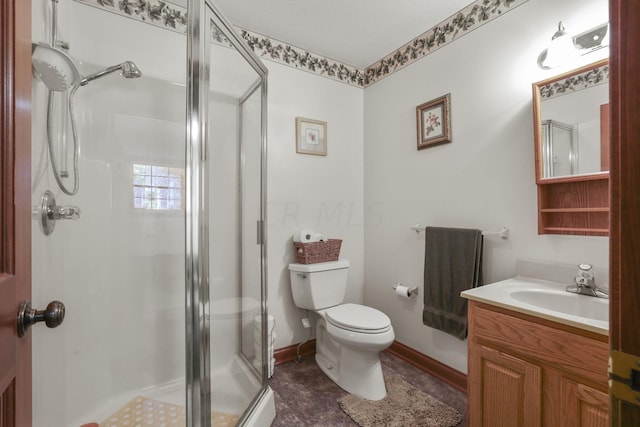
x=444, y=373
x=431, y=366
x=288, y=354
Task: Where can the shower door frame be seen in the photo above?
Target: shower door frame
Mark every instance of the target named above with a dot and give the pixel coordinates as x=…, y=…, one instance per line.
x=197, y=342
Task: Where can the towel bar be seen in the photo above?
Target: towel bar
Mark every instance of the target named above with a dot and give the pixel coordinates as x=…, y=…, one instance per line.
x=503, y=233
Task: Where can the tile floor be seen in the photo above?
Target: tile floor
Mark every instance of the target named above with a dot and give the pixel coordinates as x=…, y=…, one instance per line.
x=306, y=397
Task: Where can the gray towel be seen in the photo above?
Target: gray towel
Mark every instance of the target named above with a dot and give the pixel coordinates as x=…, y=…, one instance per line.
x=452, y=264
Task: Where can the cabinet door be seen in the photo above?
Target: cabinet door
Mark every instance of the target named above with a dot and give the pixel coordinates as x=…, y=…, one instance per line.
x=583, y=406
x=504, y=391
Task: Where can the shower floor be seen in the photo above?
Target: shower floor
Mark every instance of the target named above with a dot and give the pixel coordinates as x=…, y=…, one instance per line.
x=233, y=388
x=145, y=412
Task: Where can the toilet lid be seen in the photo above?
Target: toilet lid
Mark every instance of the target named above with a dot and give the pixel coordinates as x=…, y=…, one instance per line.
x=357, y=317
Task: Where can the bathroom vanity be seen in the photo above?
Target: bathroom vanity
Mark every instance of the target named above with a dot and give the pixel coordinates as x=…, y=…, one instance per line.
x=538, y=356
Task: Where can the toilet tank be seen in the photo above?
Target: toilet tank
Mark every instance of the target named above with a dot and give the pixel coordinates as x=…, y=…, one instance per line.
x=318, y=286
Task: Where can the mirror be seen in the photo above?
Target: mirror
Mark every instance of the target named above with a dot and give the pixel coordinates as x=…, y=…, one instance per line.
x=571, y=122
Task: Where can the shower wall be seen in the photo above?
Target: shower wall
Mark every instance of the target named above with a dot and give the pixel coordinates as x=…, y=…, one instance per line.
x=119, y=270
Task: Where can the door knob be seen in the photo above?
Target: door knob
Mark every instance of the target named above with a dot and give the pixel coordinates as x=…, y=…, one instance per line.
x=52, y=316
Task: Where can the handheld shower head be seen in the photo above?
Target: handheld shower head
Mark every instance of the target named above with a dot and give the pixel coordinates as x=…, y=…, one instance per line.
x=128, y=70
x=56, y=69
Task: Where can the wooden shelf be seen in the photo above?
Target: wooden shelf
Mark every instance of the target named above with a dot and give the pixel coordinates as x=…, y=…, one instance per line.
x=557, y=210
x=599, y=176
x=567, y=230
x=572, y=206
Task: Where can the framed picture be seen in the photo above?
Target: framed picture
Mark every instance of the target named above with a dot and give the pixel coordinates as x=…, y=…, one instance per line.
x=311, y=136
x=434, y=122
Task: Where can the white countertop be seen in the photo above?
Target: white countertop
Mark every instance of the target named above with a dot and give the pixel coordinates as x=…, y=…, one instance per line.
x=547, y=300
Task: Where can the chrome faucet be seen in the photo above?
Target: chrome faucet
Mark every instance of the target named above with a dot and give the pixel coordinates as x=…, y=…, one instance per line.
x=585, y=283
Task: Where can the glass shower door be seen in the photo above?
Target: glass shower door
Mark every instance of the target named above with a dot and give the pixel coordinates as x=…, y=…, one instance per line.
x=119, y=266
x=234, y=153
x=230, y=370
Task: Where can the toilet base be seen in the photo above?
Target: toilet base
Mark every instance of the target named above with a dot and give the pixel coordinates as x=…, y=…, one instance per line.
x=357, y=372
x=361, y=376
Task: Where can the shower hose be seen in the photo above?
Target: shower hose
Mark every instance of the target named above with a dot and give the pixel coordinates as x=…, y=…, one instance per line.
x=76, y=146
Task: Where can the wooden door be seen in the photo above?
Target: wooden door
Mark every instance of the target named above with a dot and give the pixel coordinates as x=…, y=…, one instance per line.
x=506, y=390
x=625, y=195
x=15, y=216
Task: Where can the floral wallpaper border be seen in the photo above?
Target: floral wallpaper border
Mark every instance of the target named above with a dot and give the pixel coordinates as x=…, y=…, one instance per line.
x=169, y=16
x=173, y=17
x=590, y=78
x=468, y=19
x=155, y=12
x=281, y=52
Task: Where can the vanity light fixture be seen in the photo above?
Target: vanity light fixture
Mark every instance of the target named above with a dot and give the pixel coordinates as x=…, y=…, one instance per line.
x=560, y=48
x=593, y=39
x=564, y=47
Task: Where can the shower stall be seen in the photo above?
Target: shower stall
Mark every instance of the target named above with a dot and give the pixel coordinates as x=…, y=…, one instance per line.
x=159, y=255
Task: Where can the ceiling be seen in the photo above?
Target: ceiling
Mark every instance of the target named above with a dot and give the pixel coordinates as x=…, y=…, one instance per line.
x=354, y=32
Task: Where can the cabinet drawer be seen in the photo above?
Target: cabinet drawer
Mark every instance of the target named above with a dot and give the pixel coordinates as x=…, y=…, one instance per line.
x=568, y=351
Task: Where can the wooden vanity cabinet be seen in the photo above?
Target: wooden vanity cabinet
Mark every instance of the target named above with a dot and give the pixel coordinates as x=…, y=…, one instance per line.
x=526, y=371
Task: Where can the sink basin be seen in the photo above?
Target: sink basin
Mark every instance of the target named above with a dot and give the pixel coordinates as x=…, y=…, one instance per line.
x=565, y=302
x=547, y=300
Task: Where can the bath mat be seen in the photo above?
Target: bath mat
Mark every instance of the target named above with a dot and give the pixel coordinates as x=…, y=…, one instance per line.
x=143, y=412
x=404, y=405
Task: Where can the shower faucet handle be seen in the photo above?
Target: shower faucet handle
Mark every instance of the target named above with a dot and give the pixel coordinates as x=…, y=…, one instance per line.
x=50, y=212
x=64, y=212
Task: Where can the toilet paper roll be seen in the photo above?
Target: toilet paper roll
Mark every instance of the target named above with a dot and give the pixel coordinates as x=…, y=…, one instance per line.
x=319, y=237
x=403, y=291
x=305, y=236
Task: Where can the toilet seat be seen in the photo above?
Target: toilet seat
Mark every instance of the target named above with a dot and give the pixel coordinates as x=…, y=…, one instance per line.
x=358, y=318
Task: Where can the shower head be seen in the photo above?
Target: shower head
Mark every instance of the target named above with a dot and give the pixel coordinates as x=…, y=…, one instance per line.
x=128, y=70
x=56, y=69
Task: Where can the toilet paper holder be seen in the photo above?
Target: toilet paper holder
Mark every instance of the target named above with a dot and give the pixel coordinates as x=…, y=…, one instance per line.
x=411, y=292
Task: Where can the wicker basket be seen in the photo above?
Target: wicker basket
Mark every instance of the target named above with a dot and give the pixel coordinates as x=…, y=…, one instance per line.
x=312, y=253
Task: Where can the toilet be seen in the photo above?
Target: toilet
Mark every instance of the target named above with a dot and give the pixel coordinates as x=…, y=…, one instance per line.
x=349, y=337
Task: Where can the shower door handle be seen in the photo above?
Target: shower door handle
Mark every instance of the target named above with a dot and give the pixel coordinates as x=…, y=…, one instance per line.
x=52, y=316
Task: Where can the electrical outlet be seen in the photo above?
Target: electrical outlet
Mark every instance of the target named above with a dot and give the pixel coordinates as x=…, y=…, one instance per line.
x=306, y=323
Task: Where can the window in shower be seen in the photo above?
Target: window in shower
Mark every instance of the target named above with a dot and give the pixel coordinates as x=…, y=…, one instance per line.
x=158, y=187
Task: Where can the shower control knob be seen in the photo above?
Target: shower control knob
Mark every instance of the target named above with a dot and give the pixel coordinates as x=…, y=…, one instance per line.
x=64, y=212
x=52, y=316
x=50, y=212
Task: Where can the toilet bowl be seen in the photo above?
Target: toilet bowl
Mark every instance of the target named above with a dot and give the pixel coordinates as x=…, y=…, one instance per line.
x=232, y=318
x=349, y=337
x=359, y=327
x=349, y=354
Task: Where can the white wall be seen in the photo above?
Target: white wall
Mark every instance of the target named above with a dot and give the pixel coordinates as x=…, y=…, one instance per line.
x=307, y=191
x=483, y=179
